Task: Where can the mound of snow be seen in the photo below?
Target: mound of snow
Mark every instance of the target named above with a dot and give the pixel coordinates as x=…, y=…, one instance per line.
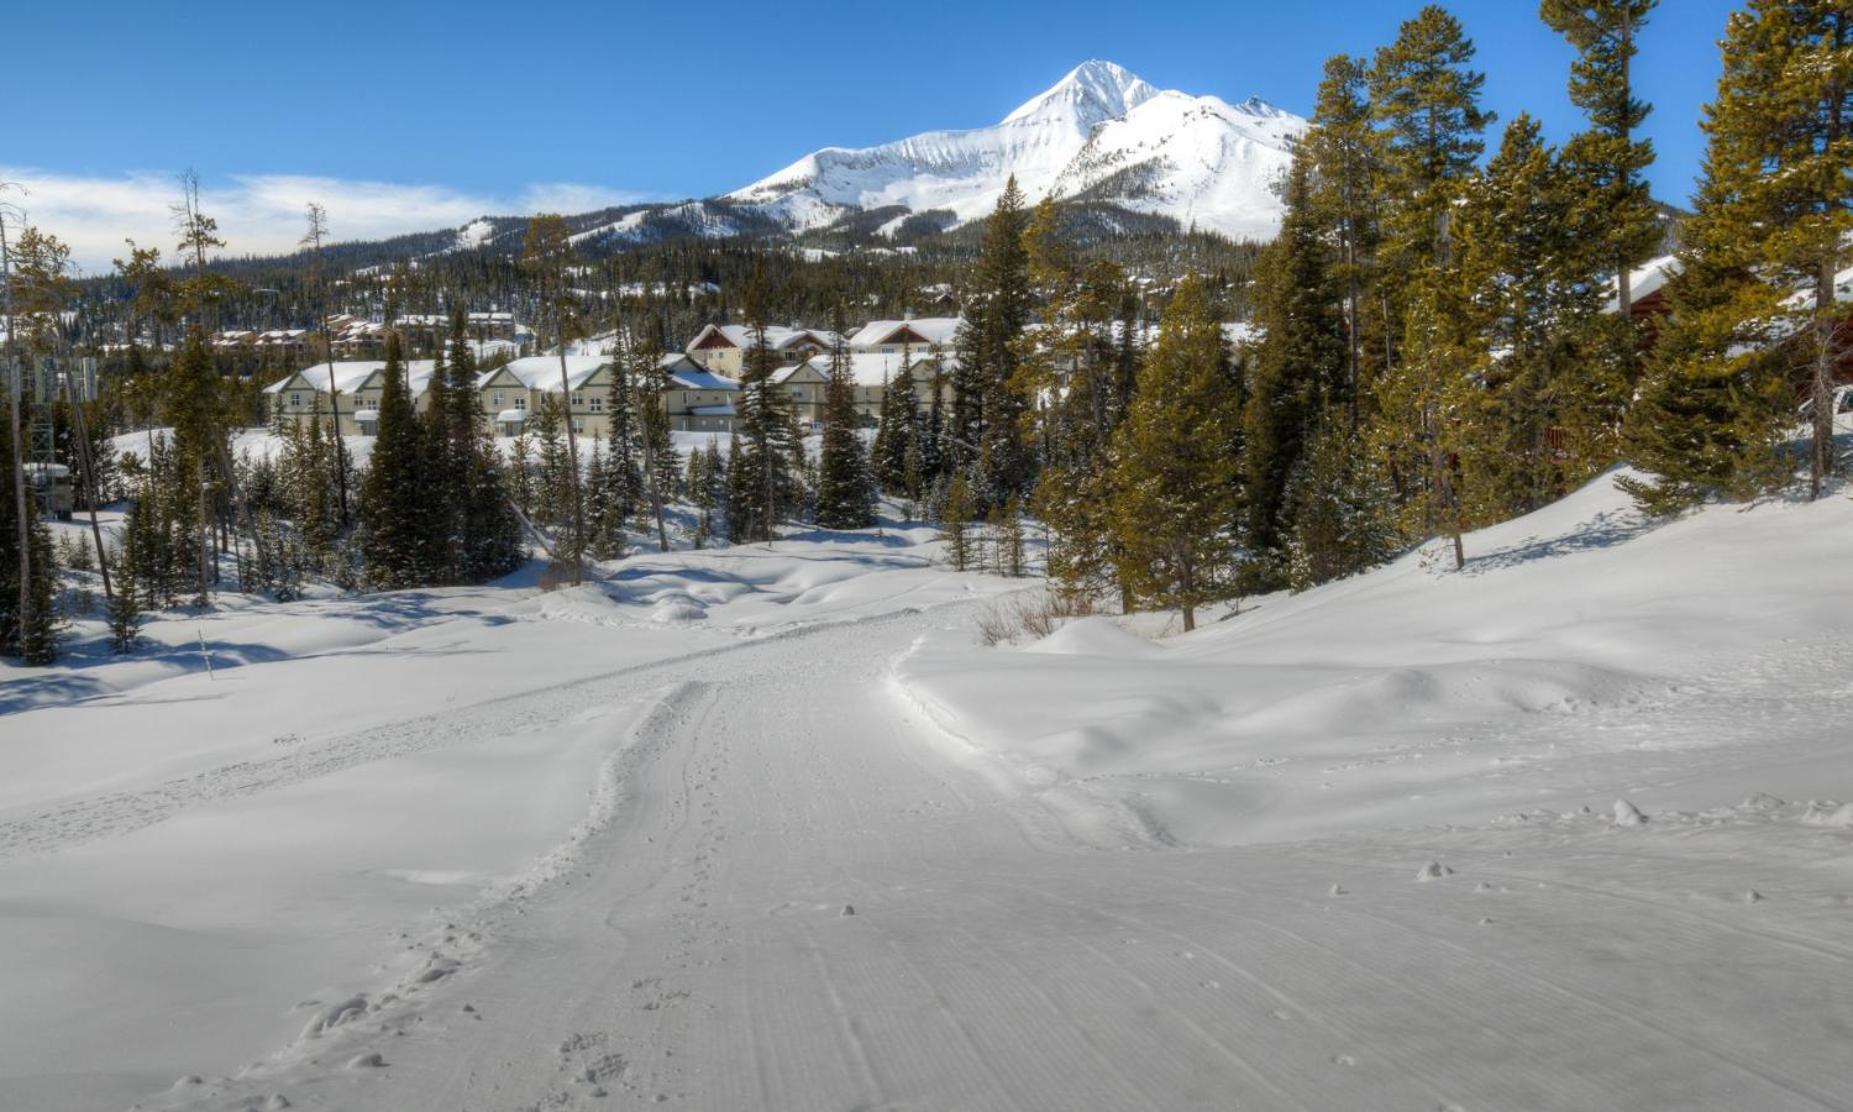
x=1627, y=814
x=1577, y=638
x=1094, y=636
x=1830, y=815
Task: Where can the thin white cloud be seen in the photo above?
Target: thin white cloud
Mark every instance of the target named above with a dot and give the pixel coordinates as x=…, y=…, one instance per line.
x=262, y=214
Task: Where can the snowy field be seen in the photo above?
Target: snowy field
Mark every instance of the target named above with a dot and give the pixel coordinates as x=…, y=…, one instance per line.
x=770, y=828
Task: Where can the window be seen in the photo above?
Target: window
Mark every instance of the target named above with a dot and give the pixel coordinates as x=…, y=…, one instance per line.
x=598, y=403
x=578, y=399
x=521, y=401
x=296, y=400
x=495, y=399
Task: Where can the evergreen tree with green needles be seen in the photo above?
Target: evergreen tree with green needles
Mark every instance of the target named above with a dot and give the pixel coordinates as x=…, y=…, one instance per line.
x=1176, y=485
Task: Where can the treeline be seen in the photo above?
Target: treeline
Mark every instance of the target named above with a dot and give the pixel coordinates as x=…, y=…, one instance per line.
x=1439, y=338
x=1443, y=339
x=691, y=282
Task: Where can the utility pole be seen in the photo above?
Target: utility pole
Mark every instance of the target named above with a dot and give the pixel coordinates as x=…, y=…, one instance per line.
x=318, y=229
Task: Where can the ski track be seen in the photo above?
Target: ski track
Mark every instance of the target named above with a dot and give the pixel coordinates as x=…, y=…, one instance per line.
x=696, y=946
x=73, y=822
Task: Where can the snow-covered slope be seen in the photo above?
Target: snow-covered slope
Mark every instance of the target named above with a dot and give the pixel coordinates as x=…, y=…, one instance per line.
x=1100, y=133
x=766, y=828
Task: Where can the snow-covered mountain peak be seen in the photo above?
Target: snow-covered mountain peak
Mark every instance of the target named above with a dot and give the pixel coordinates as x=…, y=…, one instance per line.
x=1255, y=106
x=1091, y=93
x=1101, y=134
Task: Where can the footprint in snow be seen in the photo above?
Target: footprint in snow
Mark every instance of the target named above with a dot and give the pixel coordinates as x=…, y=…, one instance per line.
x=1434, y=870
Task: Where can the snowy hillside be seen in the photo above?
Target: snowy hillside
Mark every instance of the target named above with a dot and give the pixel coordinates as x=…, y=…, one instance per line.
x=768, y=827
x=1099, y=134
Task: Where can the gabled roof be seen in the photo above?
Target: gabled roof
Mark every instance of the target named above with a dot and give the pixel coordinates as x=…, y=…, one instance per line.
x=871, y=368
x=786, y=374
x=939, y=331
x=352, y=374
x=488, y=378
x=778, y=337
x=417, y=377
x=542, y=372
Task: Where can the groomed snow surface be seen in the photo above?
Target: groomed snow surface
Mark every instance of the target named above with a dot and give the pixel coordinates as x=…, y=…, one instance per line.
x=769, y=828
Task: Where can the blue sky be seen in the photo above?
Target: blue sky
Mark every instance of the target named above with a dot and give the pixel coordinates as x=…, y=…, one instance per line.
x=409, y=114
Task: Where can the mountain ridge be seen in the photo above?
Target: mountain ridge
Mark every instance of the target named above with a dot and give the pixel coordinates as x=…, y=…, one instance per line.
x=1100, y=134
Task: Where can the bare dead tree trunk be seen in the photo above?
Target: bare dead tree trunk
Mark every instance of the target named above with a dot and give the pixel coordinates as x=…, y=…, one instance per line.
x=16, y=391
x=572, y=469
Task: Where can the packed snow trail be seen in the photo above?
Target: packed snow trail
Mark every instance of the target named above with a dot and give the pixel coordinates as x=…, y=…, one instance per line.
x=800, y=902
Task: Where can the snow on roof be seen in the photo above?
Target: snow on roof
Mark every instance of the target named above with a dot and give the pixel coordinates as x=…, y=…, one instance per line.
x=508, y=416
x=711, y=410
x=1645, y=280
x=868, y=368
x=442, y=320
x=542, y=372
x=778, y=337
x=696, y=377
x=935, y=330
x=352, y=374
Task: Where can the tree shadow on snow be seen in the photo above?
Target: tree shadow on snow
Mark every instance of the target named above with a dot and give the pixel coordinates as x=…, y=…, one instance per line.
x=1605, y=530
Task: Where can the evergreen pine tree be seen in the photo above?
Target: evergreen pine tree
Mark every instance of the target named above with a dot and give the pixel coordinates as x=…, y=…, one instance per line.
x=28, y=631
x=125, y=614
x=193, y=408
x=1299, y=366
x=761, y=489
x=1774, y=217
x=955, y=518
x=1347, y=154
x=1339, y=504
x=1175, y=482
x=396, y=542
x=988, y=409
x=845, y=496
x=1427, y=103
x=1551, y=385
x=896, y=430
x=662, y=465
x=623, y=480
x=1009, y=539
x=1616, y=216
x=553, y=479
x=547, y=254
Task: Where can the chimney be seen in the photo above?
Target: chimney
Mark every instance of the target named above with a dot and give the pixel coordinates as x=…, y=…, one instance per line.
x=907, y=314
